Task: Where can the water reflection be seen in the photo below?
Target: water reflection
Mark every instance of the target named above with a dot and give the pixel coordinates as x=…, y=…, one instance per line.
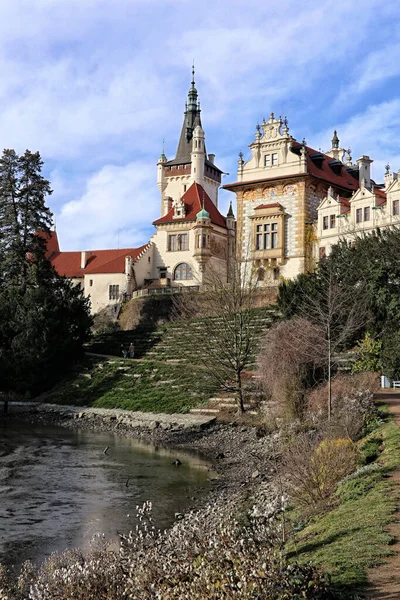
x=58, y=488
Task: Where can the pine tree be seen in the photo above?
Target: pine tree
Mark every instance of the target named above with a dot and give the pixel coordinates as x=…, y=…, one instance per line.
x=23, y=212
x=44, y=318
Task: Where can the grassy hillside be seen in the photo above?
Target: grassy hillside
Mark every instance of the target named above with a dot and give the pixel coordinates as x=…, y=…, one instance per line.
x=351, y=538
x=133, y=385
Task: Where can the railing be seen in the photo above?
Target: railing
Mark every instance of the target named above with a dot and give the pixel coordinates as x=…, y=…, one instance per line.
x=165, y=291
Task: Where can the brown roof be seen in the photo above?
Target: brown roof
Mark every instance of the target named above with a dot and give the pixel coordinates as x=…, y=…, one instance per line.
x=193, y=200
x=324, y=171
x=97, y=261
x=274, y=205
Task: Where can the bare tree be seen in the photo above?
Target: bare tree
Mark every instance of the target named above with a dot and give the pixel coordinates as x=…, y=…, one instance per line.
x=229, y=333
x=337, y=305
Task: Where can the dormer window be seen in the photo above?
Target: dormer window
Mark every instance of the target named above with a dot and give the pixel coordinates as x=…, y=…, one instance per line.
x=333, y=221
x=271, y=160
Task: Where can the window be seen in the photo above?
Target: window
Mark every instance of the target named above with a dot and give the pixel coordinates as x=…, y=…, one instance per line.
x=183, y=271
x=325, y=223
x=90, y=282
x=396, y=207
x=274, y=235
x=184, y=187
x=322, y=252
x=260, y=274
x=359, y=215
x=274, y=160
x=113, y=292
x=333, y=221
x=267, y=236
x=149, y=259
x=178, y=242
x=367, y=213
x=163, y=274
x=267, y=160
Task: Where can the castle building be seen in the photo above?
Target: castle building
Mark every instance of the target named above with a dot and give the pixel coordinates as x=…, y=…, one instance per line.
x=193, y=240
x=278, y=191
x=372, y=206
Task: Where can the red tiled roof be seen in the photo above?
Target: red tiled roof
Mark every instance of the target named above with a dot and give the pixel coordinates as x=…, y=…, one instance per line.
x=274, y=205
x=193, y=199
x=381, y=195
x=51, y=242
x=97, y=261
x=344, y=205
x=344, y=180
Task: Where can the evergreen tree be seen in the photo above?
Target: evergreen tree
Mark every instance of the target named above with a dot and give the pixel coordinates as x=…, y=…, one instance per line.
x=23, y=213
x=44, y=318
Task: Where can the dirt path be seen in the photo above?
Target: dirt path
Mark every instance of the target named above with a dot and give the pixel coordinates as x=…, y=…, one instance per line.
x=384, y=581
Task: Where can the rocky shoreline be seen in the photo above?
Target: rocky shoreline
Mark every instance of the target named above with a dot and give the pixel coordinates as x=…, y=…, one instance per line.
x=242, y=459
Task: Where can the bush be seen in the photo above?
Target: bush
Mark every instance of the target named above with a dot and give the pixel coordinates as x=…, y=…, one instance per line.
x=215, y=558
x=289, y=361
x=391, y=355
x=353, y=406
x=104, y=322
x=368, y=351
x=314, y=468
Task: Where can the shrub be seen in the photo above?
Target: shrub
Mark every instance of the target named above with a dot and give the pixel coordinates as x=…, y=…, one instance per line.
x=216, y=558
x=314, y=468
x=368, y=351
x=353, y=405
x=289, y=361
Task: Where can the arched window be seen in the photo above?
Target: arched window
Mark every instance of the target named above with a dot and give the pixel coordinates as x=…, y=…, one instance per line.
x=183, y=271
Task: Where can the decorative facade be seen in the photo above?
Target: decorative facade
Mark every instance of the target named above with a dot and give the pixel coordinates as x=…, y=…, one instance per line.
x=193, y=239
x=278, y=191
x=372, y=206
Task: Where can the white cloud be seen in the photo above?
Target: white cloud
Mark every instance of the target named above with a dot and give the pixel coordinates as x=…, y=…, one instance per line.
x=119, y=203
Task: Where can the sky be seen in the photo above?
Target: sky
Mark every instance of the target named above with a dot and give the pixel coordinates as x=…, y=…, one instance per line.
x=96, y=85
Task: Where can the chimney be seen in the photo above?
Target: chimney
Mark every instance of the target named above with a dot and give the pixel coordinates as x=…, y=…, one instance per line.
x=211, y=158
x=128, y=265
x=83, y=259
x=364, y=170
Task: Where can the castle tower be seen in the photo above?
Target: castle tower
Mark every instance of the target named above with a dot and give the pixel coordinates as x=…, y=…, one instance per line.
x=198, y=157
x=175, y=176
x=202, y=252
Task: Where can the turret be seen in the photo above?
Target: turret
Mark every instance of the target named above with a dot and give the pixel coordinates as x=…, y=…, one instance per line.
x=197, y=156
x=161, y=181
x=202, y=230
x=364, y=170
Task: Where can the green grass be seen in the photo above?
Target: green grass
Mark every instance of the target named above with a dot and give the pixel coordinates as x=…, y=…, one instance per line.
x=132, y=385
x=351, y=538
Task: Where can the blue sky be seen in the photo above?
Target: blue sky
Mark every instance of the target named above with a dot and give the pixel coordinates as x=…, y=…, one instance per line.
x=95, y=85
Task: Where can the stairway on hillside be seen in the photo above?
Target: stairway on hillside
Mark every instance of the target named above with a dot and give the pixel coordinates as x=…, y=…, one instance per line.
x=172, y=342
x=179, y=341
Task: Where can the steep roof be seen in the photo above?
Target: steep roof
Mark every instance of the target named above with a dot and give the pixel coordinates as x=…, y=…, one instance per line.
x=193, y=200
x=322, y=167
x=97, y=261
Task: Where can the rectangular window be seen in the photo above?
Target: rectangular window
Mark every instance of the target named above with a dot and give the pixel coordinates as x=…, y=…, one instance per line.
x=396, y=207
x=90, y=282
x=367, y=213
x=267, y=236
x=325, y=223
x=267, y=160
x=359, y=215
x=333, y=221
x=274, y=160
x=274, y=235
x=113, y=292
x=178, y=242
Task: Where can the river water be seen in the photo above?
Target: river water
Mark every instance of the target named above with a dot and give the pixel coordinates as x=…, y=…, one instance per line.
x=58, y=488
